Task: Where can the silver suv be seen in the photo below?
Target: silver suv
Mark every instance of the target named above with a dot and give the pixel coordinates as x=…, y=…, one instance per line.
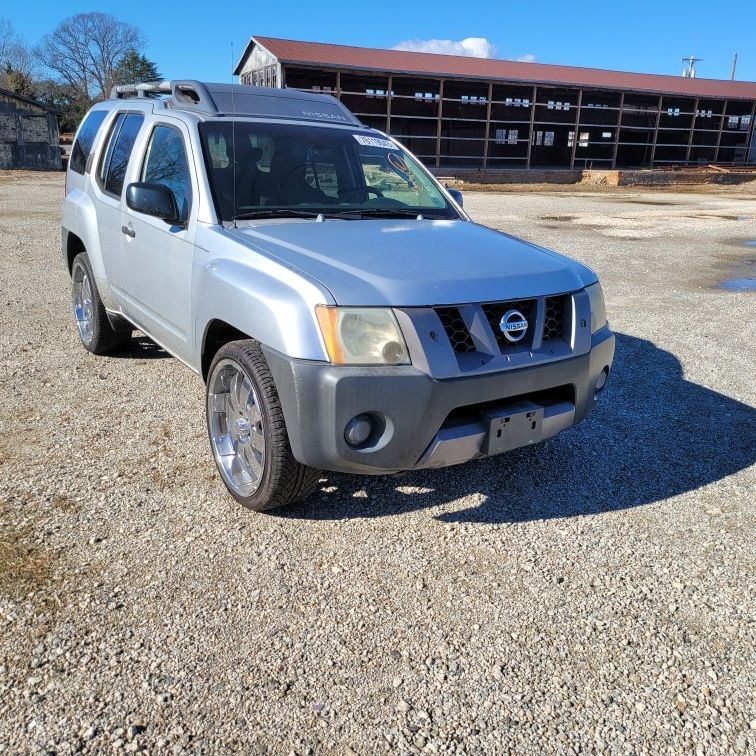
x=342, y=309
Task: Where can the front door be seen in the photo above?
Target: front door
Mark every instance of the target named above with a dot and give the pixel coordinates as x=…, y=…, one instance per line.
x=157, y=255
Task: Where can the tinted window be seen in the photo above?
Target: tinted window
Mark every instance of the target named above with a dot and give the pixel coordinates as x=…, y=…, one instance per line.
x=85, y=139
x=166, y=163
x=120, y=152
x=115, y=127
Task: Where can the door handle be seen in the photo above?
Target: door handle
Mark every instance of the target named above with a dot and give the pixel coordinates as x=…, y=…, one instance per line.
x=128, y=231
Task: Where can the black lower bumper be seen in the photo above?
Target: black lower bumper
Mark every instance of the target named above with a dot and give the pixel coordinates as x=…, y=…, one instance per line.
x=411, y=408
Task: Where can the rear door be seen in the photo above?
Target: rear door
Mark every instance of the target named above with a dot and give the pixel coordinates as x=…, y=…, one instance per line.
x=108, y=183
x=78, y=165
x=157, y=256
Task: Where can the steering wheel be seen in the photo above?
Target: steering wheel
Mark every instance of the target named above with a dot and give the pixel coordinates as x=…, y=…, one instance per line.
x=347, y=191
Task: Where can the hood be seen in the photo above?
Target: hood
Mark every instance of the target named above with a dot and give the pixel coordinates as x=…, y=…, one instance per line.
x=411, y=263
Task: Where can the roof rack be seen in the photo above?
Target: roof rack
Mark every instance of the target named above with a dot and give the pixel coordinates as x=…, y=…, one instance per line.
x=240, y=100
x=145, y=89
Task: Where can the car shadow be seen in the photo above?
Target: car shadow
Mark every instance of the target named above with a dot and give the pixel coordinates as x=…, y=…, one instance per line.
x=652, y=435
x=140, y=347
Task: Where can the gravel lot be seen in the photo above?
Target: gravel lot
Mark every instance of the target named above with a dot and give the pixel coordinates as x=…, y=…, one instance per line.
x=594, y=594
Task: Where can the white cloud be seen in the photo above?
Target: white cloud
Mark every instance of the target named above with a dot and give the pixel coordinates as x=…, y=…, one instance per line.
x=474, y=47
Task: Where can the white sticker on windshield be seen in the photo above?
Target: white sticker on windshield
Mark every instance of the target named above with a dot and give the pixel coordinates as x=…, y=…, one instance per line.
x=369, y=141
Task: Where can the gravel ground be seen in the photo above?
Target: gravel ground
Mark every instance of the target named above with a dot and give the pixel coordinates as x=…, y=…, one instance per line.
x=594, y=594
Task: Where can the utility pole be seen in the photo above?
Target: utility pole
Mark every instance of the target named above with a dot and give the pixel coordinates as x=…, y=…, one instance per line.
x=689, y=67
x=734, y=63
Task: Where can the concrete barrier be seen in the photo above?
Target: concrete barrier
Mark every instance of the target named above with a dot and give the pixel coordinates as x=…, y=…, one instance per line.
x=508, y=176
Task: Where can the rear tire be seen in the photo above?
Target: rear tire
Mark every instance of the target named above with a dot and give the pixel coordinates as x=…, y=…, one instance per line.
x=95, y=331
x=247, y=431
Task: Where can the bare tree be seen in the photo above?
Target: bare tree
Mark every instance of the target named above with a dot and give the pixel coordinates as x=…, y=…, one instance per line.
x=8, y=38
x=84, y=50
x=15, y=56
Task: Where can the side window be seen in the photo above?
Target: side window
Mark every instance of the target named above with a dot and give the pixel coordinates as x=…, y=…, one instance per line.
x=125, y=132
x=85, y=139
x=321, y=171
x=267, y=147
x=218, y=150
x=166, y=163
x=115, y=127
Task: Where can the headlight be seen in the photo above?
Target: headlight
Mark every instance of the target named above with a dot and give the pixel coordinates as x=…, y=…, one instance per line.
x=598, y=311
x=362, y=336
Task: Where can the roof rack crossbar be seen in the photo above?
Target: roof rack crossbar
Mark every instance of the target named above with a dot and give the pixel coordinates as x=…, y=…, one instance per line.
x=143, y=89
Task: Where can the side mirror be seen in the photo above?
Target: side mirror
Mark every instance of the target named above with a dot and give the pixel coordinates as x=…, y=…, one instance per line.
x=456, y=195
x=153, y=199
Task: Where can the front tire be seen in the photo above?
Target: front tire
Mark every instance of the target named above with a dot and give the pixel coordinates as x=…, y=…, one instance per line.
x=95, y=331
x=247, y=431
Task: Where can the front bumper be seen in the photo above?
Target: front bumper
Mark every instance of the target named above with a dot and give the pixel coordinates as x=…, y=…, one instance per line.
x=413, y=409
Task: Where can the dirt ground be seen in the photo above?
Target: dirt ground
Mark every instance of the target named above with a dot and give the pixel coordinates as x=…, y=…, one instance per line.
x=593, y=594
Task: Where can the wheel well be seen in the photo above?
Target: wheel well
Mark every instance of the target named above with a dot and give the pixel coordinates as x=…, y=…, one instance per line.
x=217, y=334
x=74, y=245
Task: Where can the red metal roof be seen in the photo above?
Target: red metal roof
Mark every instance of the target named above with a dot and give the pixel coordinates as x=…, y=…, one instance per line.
x=432, y=64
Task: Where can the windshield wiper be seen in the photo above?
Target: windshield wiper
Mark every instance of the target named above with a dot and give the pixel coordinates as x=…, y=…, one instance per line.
x=289, y=212
x=347, y=213
x=380, y=212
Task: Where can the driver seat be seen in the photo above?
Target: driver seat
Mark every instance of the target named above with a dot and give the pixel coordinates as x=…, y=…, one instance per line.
x=288, y=170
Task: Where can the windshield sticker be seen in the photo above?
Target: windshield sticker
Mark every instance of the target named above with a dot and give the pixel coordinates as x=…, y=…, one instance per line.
x=369, y=141
x=398, y=164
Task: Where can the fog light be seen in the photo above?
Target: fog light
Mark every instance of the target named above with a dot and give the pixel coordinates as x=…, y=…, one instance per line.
x=601, y=380
x=358, y=430
x=393, y=352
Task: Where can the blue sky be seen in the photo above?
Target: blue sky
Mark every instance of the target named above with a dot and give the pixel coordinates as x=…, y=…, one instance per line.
x=193, y=39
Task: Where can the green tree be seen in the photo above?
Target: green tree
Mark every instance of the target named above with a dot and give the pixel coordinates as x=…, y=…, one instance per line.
x=134, y=68
x=67, y=99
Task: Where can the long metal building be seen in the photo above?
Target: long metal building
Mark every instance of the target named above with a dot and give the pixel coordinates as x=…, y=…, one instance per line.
x=455, y=111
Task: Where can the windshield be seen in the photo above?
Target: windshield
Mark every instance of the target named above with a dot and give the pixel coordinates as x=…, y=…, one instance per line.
x=302, y=170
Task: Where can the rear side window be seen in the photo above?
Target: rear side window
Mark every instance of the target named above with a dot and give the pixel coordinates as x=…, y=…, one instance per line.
x=166, y=163
x=124, y=134
x=85, y=139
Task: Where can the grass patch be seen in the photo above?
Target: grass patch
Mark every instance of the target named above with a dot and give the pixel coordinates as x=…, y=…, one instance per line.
x=23, y=566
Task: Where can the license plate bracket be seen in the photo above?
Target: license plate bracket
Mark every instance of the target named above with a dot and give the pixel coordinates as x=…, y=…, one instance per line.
x=515, y=425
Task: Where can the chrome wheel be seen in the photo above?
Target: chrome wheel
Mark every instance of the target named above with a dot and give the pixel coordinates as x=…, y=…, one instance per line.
x=82, y=303
x=236, y=427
